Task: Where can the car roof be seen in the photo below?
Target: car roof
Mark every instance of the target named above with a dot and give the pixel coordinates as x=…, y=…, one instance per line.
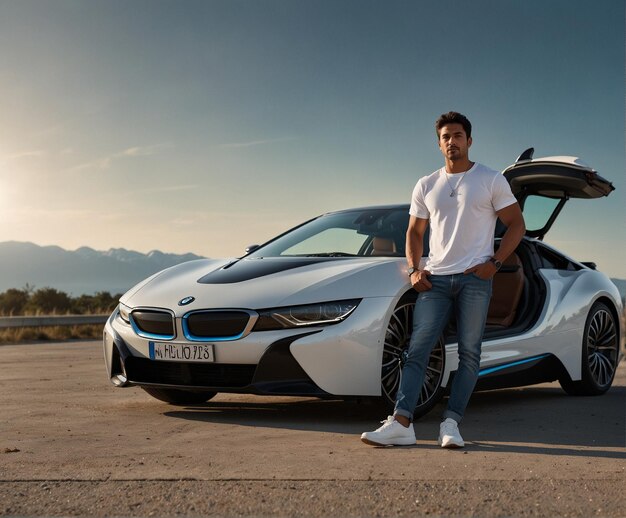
x=396, y=206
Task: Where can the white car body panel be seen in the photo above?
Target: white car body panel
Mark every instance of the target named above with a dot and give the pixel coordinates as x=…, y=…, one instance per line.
x=560, y=324
x=357, y=354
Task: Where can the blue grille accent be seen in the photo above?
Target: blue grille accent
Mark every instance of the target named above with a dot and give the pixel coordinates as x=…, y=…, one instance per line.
x=219, y=330
x=139, y=322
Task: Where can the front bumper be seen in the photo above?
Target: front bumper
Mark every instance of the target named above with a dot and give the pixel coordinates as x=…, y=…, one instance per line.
x=277, y=372
x=342, y=359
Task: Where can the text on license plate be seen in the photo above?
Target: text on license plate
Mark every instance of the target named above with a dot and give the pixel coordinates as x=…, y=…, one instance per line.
x=181, y=352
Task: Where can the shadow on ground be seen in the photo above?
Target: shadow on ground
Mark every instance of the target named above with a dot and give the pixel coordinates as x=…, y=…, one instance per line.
x=539, y=419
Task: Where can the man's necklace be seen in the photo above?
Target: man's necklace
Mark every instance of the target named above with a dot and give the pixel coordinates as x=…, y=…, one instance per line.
x=455, y=190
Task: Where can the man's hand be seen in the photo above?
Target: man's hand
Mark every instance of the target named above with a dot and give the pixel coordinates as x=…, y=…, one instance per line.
x=419, y=280
x=484, y=270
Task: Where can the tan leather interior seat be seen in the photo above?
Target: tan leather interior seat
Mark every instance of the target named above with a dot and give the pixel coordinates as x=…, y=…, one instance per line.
x=383, y=246
x=508, y=286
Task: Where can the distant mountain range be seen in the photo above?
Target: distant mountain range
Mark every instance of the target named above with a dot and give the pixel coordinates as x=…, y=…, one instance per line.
x=81, y=271
x=86, y=271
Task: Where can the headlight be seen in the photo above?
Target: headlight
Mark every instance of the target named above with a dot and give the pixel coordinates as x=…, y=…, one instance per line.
x=322, y=314
x=124, y=313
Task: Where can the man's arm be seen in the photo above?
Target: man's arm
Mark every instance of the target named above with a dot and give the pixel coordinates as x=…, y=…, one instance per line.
x=512, y=217
x=414, y=248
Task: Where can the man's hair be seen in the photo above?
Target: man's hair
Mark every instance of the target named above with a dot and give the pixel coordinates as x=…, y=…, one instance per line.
x=451, y=118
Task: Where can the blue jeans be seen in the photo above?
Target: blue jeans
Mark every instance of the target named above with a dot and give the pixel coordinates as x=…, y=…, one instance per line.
x=467, y=295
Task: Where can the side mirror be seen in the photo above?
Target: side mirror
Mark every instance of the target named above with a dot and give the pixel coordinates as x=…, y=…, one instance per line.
x=252, y=248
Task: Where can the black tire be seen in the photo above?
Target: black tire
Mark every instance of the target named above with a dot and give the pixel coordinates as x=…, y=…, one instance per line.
x=179, y=396
x=395, y=349
x=600, y=354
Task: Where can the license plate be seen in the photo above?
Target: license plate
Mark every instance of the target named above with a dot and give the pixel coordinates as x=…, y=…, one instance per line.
x=173, y=352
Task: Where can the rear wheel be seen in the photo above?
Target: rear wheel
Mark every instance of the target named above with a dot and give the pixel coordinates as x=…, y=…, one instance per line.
x=178, y=396
x=600, y=352
x=395, y=352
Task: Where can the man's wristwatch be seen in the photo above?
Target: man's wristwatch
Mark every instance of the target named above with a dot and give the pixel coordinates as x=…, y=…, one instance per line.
x=411, y=271
x=497, y=264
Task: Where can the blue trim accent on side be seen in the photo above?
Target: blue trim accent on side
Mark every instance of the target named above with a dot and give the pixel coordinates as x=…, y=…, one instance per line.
x=512, y=364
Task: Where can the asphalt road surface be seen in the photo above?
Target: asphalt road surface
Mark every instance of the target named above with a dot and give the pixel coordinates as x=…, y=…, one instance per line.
x=71, y=444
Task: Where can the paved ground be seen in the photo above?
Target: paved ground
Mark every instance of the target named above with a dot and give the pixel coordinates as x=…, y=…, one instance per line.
x=73, y=445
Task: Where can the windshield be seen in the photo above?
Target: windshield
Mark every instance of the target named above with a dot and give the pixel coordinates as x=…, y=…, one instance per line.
x=368, y=232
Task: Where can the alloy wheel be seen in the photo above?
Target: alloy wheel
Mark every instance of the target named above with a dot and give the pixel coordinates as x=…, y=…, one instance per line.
x=602, y=347
x=395, y=351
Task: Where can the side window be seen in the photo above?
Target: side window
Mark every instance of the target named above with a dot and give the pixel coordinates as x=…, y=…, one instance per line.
x=554, y=261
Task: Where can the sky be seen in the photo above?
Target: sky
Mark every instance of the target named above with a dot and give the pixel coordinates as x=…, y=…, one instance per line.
x=207, y=126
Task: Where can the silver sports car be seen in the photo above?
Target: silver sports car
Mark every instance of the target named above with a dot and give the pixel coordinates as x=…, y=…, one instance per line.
x=325, y=310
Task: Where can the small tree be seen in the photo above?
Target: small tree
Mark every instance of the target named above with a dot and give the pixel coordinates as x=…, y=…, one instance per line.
x=49, y=300
x=13, y=301
x=105, y=302
x=101, y=302
x=83, y=304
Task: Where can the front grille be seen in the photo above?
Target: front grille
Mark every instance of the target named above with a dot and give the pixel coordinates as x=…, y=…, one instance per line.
x=215, y=324
x=153, y=323
x=210, y=375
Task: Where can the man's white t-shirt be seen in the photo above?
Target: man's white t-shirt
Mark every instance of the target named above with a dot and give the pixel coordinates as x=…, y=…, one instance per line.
x=461, y=226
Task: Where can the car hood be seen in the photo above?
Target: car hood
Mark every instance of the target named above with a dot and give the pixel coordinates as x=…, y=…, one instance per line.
x=258, y=283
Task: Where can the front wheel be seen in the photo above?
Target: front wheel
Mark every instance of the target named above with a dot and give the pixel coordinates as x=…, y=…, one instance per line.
x=395, y=351
x=600, y=353
x=179, y=396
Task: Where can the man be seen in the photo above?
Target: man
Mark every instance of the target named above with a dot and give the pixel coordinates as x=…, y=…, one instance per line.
x=461, y=202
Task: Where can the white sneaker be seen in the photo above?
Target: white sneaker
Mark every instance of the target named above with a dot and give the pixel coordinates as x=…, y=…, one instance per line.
x=449, y=436
x=390, y=433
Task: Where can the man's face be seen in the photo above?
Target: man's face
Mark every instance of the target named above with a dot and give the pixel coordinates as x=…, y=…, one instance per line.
x=453, y=141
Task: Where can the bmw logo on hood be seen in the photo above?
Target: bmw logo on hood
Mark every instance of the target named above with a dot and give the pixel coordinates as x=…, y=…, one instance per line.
x=186, y=300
